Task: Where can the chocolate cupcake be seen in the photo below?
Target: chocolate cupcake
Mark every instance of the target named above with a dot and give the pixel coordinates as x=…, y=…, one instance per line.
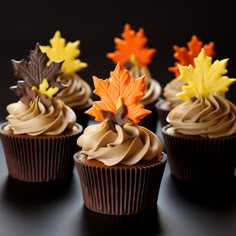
x=201, y=135
x=184, y=56
x=135, y=57
x=77, y=94
x=120, y=164
x=39, y=137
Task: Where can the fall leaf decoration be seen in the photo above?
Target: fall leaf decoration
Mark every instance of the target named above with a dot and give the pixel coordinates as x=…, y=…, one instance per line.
x=205, y=78
x=119, y=97
x=37, y=79
x=59, y=50
x=185, y=56
x=131, y=49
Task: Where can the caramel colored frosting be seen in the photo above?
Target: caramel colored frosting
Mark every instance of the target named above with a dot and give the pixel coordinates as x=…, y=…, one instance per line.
x=127, y=145
x=153, y=88
x=211, y=117
x=171, y=89
x=77, y=93
x=38, y=119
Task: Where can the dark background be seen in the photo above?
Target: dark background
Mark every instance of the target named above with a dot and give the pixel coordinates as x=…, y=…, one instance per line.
x=96, y=23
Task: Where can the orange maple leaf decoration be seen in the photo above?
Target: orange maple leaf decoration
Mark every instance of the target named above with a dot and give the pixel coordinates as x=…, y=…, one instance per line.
x=132, y=48
x=185, y=56
x=120, y=86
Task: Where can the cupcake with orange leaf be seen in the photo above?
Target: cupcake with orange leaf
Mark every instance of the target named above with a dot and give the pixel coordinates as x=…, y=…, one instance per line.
x=120, y=164
x=184, y=56
x=39, y=137
x=200, y=138
x=132, y=53
x=77, y=94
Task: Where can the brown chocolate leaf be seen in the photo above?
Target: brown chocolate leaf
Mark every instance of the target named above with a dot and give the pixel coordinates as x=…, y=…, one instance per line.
x=36, y=70
x=117, y=118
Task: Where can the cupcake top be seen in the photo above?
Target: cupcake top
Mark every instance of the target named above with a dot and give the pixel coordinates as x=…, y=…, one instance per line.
x=132, y=53
x=204, y=111
x=117, y=137
x=184, y=56
x=39, y=111
x=78, y=91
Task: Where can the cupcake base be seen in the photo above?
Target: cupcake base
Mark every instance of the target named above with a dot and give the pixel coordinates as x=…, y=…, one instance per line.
x=199, y=160
x=150, y=121
x=120, y=189
x=39, y=158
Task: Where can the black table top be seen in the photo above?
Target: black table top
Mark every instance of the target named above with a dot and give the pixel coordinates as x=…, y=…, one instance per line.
x=57, y=210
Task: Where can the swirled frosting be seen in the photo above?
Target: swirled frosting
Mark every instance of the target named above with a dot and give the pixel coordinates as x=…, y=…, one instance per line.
x=153, y=88
x=211, y=117
x=128, y=145
x=37, y=119
x=170, y=91
x=77, y=93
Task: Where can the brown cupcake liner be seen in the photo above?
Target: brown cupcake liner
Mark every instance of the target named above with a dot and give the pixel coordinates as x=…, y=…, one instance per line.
x=150, y=121
x=118, y=191
x=200, y=160
x=81, y=117
x=162, y=112
x=40, y=159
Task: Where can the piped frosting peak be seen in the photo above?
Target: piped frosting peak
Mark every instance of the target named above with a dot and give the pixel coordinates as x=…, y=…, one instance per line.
x=68, y=52
x=132, y=48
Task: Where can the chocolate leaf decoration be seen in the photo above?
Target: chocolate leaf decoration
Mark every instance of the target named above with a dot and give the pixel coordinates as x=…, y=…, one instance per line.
x=117, y=118
x=34, y=71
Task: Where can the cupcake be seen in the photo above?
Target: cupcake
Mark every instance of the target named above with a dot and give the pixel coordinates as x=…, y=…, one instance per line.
x=78, y=94
x=120, y=164
x=184, y=56
x=40, y=132
x=132, y=53
x=200, y=136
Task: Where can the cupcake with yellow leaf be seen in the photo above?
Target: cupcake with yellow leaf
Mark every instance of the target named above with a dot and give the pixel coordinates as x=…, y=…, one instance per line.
x=184, y=56
x=132, y=53
x=120, y=164
x=39, y=137
x=77, y=94
x=200, y=138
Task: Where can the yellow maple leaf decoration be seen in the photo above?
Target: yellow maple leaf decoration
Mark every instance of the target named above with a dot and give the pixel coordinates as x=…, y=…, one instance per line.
x=45, y=89
x=132, y=48
x=121, y=87
x=205, y=78
x=59, y=51
x=186, y=55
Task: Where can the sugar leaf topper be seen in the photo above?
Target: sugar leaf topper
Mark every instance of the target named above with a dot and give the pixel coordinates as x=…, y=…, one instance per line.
x=131, y=49
x=60, y=50
x=205, y=78
x=185, y=55
x=36, y=78
x=121, y=90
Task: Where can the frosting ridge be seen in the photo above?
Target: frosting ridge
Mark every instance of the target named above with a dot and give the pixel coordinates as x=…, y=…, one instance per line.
x=77, y=93
x=128, y=145
x=38, y=119
x=153, y=87
x=211, y=117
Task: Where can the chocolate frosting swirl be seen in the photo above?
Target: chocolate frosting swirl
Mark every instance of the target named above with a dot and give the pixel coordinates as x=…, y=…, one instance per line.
x=211, y=117
x=153, y=88
x=37, y=119
x=170, y=91
x=77, y=92
x=128, y=145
